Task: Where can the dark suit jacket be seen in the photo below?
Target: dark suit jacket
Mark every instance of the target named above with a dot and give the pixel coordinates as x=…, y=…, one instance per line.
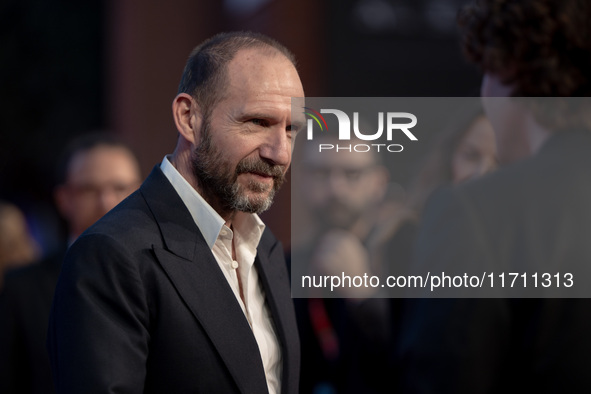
x=529, y=217
x=142, y=306
x=25, y=302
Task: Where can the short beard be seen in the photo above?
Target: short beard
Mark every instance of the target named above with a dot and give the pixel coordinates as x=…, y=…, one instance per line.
x=218, y=182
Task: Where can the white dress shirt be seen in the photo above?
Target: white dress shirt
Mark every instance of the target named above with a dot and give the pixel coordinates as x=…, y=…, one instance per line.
x=246, y=233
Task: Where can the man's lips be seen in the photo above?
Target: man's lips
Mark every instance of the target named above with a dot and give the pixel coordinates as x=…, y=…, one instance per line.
x=261, y=176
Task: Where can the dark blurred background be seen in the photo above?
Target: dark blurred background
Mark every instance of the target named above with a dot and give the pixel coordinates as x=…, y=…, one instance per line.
x=70, y=67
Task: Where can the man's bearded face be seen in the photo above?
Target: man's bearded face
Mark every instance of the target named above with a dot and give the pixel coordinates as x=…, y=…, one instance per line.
x=219, y=181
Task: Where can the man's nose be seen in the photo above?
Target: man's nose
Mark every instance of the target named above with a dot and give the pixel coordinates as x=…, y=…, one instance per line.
x=277, y=147
x=337, y=184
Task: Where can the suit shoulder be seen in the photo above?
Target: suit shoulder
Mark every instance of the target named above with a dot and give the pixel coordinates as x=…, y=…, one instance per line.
x=97, y=255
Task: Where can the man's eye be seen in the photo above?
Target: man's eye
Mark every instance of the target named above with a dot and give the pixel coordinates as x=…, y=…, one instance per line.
x=258, y=122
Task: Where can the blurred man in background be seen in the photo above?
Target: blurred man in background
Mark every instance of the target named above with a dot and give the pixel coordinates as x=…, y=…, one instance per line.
x=96, y=173
x=343, y=339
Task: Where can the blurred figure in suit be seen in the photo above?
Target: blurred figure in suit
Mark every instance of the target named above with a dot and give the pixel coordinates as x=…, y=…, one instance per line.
x=97, y=172
x=531, y=216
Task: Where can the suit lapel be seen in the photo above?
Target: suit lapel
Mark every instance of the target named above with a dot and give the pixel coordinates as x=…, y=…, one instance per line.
x=194, y=272
x=272, y=271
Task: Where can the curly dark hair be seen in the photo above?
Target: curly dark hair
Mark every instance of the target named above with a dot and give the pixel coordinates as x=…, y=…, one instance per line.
x=541, y=47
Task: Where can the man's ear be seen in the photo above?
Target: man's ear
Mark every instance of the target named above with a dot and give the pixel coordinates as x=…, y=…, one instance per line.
x=187, y=117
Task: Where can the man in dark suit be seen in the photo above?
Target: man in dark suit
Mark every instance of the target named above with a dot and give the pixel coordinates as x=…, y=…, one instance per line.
x=533, y=217
x=97, y=172
x=181, y=288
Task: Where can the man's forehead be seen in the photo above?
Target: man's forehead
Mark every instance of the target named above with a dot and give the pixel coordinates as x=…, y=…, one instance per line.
x=256, y=64
x=100, y=157
x=261, y=83
x=258, y=55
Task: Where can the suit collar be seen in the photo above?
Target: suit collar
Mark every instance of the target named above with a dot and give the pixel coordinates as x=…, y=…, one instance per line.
x=179, y=232
x=274, y=278
x=207, y=294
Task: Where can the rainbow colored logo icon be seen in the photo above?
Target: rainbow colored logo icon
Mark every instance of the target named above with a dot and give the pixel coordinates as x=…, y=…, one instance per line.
x=315, y=115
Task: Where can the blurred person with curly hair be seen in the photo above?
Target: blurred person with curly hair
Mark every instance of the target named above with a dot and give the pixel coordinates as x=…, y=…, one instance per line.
x=530, y=216
x=531, y=49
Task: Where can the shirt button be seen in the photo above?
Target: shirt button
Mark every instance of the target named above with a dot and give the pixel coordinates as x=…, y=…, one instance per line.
x=223, y=232
x=234, y=264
